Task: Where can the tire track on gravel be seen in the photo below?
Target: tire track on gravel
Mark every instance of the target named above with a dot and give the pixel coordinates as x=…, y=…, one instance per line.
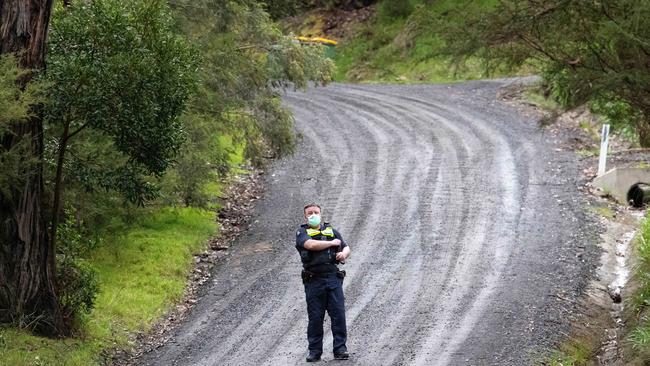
x=467, y=262
x=381, y=110
x=437, y=338
x=441, y=206
x=378, y=184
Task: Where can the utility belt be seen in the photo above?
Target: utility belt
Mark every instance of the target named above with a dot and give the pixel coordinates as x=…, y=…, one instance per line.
x=309, y=275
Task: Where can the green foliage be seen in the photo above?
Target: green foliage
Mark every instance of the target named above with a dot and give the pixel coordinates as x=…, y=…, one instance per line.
x=642, y=299
x=76, y=278
x=395, y=8
x=617, y=112
x=586, y=50
x=203, y=159
x=15, y=103
x=282, y=8
x=278, y=9
x=78, y=289
x=558, y=81
x=407, y=48
x=118, y=68
x=639, y=336
x=577, y=353
x=15, y=107
x=141, y=270
x=245, y=64
x=145, y=269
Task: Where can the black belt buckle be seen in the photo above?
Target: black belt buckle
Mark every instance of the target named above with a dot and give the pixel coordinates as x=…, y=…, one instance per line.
x=341, y=274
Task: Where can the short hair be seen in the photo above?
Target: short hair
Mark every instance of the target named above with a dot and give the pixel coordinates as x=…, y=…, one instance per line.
x=311, y=205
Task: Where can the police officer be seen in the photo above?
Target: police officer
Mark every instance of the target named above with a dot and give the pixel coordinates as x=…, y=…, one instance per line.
x=321, y=248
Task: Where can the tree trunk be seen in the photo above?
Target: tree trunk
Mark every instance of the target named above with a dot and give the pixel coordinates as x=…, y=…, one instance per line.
x=58, y=183
x=28, y=294
x=643, y=128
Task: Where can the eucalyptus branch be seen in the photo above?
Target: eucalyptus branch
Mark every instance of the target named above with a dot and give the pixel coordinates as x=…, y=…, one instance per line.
x=81, y=128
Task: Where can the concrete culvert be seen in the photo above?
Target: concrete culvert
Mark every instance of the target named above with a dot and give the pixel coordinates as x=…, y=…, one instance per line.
x=639, y=194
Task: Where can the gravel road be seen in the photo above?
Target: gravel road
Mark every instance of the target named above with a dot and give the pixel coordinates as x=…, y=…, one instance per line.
x=469, y=241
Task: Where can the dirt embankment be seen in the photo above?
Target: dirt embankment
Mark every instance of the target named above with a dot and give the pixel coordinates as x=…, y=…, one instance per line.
x=337, y=24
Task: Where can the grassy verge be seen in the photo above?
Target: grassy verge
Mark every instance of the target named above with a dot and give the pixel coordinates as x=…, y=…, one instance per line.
x=213, y=188
x=635, y=336
x=575, y=353
x=638, y=345
x=142, y=271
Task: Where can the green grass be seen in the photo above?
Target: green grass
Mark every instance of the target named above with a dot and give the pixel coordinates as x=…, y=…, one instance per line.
x=575, y=353
x=235, y=150
x=404, y=50
x=212, y=189
x=640, y=335
x=141, y=273
x=638, y=324
x=642, y=269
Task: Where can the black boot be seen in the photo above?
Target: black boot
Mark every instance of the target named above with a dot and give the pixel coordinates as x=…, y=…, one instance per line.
x=344, y=355
x=313, y=357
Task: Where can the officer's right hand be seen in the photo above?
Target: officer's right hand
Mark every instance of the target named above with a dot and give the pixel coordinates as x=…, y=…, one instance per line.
x=336, y=242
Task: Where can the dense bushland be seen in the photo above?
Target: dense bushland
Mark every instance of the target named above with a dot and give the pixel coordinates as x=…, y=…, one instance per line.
x=283, y=8
x=142, y=105
x=586, y=51
x=246, y=61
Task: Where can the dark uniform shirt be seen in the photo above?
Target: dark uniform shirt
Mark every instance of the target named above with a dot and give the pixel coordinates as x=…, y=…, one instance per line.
x=317, y=261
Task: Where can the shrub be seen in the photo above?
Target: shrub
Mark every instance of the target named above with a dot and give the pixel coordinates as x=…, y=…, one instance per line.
x=618, y=113
x=15, y=106
x=76, y=278
x=395, y=8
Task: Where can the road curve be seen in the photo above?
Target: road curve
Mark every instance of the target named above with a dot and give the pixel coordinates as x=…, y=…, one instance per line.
x=464, y=222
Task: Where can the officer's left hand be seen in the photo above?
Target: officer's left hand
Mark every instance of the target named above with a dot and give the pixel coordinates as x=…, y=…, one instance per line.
x=341, y=256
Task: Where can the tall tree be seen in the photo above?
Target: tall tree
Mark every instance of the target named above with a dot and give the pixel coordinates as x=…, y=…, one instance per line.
x=27, y=258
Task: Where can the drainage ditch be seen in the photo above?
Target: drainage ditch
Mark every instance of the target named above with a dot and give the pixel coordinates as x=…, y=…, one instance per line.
x=614, y=274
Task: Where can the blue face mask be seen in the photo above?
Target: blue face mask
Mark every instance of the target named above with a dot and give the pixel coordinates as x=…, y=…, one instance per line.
x=313, y=220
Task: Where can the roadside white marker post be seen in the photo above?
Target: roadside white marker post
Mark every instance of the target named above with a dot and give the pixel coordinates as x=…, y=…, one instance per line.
x=604, y=140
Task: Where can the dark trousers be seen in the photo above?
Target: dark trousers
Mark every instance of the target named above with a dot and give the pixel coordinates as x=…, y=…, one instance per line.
x=325, y=293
